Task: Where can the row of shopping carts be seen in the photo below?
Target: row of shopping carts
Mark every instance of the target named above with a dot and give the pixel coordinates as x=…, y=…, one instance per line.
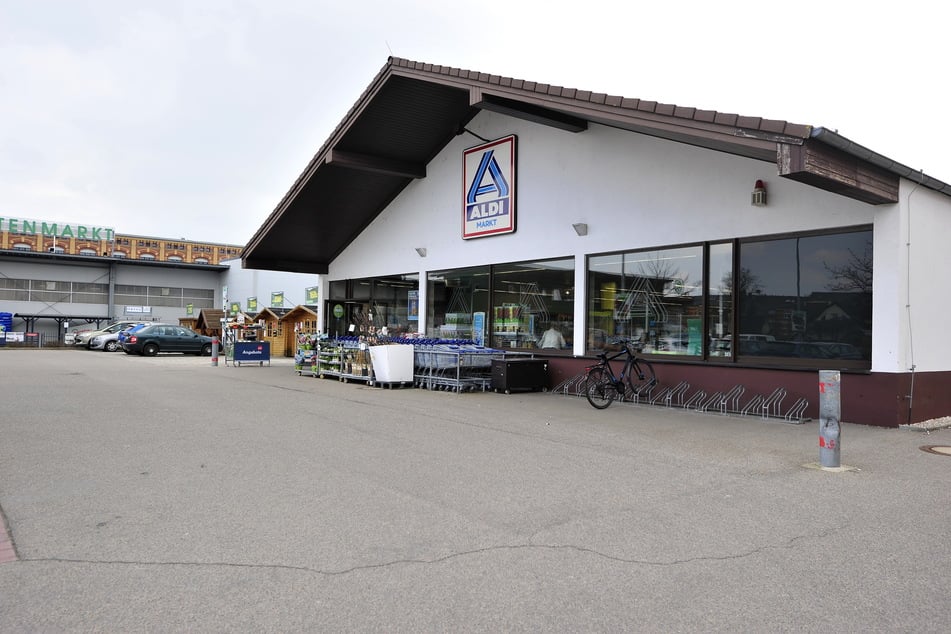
x=453, y=367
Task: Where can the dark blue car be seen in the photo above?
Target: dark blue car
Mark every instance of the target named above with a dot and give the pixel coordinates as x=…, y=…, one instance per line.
x=152, y=339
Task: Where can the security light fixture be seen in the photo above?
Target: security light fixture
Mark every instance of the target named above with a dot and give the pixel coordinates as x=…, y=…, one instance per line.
x=758, y=198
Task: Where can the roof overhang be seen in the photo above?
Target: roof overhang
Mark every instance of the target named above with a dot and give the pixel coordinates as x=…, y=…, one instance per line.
x=411, y=111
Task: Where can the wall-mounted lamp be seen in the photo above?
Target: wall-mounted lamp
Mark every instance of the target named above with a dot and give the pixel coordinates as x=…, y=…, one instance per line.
x=421, y=251
x=758, y=198
x=581, y=228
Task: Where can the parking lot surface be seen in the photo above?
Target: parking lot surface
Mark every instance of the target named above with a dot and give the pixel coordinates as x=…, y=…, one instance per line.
x=165, y=494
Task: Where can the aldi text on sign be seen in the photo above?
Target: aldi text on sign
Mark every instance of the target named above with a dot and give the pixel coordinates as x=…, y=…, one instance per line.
x=489, y=188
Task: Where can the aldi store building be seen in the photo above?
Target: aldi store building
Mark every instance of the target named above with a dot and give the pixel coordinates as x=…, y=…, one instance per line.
x=737, y=251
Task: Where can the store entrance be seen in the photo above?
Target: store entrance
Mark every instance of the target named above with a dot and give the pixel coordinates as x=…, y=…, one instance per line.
x=342, y=314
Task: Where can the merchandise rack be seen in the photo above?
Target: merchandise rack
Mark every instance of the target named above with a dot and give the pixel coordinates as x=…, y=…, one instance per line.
x=345, y=359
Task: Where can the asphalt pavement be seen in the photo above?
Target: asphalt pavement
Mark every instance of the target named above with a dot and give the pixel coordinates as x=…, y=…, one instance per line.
x=167, y=495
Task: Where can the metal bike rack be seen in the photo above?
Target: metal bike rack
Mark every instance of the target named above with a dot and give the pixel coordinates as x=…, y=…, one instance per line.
x=724, y=402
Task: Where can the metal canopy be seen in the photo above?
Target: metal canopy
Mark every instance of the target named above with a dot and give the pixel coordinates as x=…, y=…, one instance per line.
x=411, y=111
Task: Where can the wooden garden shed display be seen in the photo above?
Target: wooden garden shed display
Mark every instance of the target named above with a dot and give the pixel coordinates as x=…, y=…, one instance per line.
x=300, y=320
x=273, y=331
x=188, y=322
x=209, y=322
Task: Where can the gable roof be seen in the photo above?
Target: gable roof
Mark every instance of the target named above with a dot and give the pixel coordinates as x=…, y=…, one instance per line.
x=412, y=110
x=274, y=312
x=299, y=311
x=210, y=318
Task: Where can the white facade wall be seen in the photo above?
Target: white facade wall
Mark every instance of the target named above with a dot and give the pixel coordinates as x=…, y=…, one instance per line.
x=924, y=263
x=636, y=191
x=245, y=283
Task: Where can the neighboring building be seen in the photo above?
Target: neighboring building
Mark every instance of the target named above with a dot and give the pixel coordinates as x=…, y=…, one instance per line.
x=55, y=294
x=41, y=236
x=738, y=250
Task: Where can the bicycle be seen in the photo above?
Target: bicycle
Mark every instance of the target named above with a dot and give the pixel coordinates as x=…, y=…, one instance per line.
x=602, y=386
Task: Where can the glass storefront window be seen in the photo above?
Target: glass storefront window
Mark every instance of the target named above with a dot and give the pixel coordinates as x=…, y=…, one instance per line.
x=652, y=297
x=374, y=306
x=533, y=305
x=457, y=304
x=720, y=300
x=807, y=297
x=525, y=305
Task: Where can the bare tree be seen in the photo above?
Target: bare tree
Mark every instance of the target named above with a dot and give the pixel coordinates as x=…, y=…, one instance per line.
x=854, y=275
x=747, y=283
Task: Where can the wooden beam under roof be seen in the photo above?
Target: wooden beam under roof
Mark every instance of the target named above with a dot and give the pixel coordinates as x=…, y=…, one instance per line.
x=368, y=163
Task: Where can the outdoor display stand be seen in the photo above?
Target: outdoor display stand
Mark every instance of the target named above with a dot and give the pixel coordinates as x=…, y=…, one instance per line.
x=305, y=357
x=436, y=364
x=346, y=358
x=244, y=344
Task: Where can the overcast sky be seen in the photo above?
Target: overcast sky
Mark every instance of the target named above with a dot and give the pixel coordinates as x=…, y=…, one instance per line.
x=193, y=118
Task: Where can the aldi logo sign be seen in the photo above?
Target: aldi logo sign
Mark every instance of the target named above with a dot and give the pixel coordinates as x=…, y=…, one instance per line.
x=489, y=189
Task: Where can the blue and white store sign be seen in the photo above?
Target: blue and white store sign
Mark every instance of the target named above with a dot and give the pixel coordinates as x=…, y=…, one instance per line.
x=489, y=189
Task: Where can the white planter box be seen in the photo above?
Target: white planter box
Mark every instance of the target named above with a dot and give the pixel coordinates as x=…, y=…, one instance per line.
x=392, y=364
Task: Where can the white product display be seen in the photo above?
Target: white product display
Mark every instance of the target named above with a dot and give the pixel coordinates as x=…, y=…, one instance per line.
x=392, y=364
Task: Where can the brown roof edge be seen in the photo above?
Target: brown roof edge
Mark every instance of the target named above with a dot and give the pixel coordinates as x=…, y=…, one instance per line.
x=757, y=124
x=848, y=146
x=621, y=102
x=764, y=129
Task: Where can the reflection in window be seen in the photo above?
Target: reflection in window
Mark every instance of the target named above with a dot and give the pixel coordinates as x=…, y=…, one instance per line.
x=720, y=298
x=653, y=297
x=807, y=297
x=22, y=246
x=458, y=304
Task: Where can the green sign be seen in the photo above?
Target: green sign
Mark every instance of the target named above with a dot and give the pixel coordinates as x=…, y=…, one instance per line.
x=253, y=304
x=56, y=229
x=338, y=311
x=235, y=308
x=277, y=299
x=311, y=293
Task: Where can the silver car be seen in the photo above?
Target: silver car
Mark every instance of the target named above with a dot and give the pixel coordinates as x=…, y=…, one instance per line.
x=108, y=342
x=84, y=339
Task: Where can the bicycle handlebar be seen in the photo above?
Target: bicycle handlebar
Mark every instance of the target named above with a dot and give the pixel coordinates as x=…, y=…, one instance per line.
x=629, y=347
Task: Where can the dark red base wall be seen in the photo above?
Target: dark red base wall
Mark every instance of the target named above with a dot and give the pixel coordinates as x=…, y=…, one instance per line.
x=877, y=398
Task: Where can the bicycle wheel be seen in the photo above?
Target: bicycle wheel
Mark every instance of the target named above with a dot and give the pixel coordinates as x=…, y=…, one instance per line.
x=641, y=377
x=598, y=388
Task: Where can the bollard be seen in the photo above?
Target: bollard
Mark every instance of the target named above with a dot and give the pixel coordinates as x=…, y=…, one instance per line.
x=830, y=405
x=214, y=352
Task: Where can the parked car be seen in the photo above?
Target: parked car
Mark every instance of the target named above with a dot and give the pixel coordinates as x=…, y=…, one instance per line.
x=124, y=334
x=108, y=342
x=152, y=339
x=83, y=339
